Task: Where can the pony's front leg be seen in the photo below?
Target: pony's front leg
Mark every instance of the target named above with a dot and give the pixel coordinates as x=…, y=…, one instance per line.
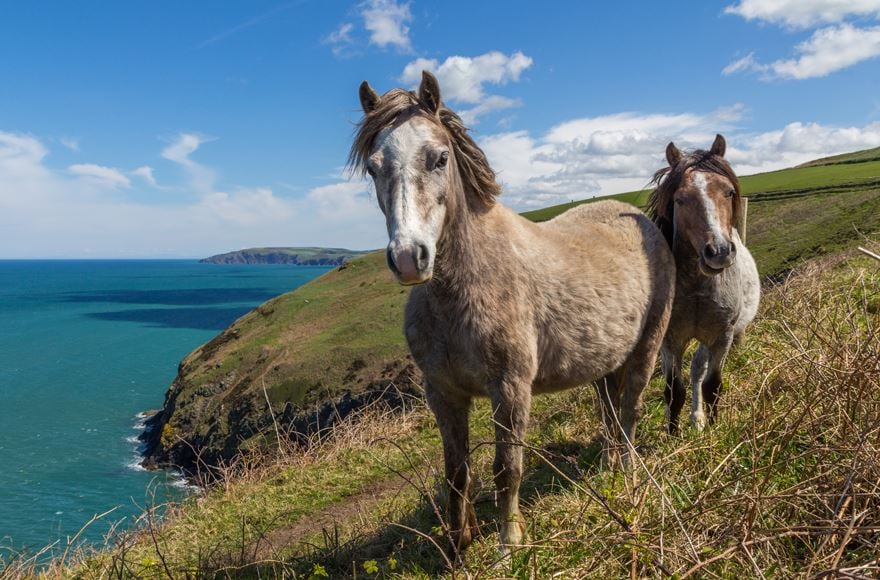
x=452, y=413
x=706, y=380
x=698, y=373
x=511, y=401
x=712, y=384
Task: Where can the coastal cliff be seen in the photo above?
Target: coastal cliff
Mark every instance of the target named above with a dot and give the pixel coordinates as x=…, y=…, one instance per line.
x=308, y=256
x=313, y=355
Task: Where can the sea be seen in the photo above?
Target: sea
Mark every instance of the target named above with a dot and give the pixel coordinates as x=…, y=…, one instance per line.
x=86, y=347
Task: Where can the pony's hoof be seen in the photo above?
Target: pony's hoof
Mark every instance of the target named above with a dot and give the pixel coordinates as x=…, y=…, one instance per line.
x=699, y=421
x=513, y=534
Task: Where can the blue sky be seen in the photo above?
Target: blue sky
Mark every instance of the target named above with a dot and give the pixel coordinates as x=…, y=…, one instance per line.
x=180, y=129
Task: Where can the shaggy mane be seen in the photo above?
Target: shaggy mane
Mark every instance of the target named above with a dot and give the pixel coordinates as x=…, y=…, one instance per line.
x=473, y=166
x=666, y=181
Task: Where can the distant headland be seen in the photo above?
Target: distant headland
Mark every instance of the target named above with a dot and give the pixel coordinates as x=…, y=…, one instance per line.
x=308, y=256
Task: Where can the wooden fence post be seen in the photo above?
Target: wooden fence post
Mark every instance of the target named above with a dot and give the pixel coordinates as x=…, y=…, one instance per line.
x=742, y=221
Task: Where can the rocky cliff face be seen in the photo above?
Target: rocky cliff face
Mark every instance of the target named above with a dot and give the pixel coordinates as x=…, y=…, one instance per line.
x=316, y=354
x=290, y=256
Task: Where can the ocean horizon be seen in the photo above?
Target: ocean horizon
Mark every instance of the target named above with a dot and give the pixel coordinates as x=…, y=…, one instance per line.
x=87, y=346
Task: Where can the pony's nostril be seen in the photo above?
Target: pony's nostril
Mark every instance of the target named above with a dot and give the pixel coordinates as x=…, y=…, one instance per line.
x=422, y=256
x=390, y=259
x=710, y=251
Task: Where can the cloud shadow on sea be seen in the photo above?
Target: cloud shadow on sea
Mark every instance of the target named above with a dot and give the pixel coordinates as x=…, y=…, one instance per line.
x=174, y=297
x=189, y=318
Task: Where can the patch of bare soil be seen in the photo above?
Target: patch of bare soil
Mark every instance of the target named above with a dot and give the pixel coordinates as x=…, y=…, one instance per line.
x=350, y=510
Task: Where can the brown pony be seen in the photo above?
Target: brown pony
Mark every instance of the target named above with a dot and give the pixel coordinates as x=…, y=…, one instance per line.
x=507, y=308
x=696, y=204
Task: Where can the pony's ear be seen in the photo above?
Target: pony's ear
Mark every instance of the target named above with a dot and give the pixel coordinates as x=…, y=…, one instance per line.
x=369, y=97
x=673, y=154
x=429, y=92
x=719, y=146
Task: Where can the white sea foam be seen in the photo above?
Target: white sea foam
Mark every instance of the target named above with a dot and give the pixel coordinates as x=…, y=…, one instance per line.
x=135, y=465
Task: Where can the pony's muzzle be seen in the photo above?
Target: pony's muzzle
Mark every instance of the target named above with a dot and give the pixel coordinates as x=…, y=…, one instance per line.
x=718, y=256
x=410, y=262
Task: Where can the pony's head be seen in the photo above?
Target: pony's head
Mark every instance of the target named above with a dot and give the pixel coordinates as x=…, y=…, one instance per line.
x=424, y=166
x=696, y=200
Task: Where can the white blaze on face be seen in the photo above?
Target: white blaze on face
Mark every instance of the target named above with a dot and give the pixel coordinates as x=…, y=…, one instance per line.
x=409, y=219
x=410, y=193
x=702, y=185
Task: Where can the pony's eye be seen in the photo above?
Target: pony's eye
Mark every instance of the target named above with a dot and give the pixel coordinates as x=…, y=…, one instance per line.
x=371, y=172
x=442, y=160
x=731, y=193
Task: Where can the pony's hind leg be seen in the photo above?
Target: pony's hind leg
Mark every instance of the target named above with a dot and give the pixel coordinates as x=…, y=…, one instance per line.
x=510, y=411
x=639, y=367
x=452, y=414
x=608, y=389
x=674, y=394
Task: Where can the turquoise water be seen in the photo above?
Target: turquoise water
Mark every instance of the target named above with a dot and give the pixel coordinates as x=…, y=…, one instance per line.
x=84, y=347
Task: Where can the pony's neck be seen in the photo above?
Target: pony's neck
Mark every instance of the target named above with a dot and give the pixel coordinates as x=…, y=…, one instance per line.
x=460, y=254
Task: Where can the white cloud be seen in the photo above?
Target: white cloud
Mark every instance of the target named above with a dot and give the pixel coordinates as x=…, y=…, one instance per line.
x=179, y=151
x=387, y=21
x=595, y=155
x=100, y=175
x=145, y=172
x=615, y=153
x=84, y=212
x=463, y=79
x=826, y=51
x=745, y=63
x=341, y=40
x=797, y=143
x=71, y=143
x=185, y=145
x=488, y=105
x=803, y=13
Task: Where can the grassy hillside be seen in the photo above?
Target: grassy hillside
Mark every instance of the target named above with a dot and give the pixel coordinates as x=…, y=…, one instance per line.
x=784, y=485
x=856, y=157
x=341, y=334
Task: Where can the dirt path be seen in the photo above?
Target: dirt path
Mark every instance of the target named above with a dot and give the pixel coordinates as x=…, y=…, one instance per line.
x=350, y=509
